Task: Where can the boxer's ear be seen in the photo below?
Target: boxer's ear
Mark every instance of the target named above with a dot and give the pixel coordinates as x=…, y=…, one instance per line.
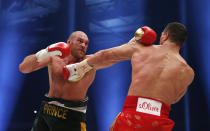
x=166, y=36
x=69, y=41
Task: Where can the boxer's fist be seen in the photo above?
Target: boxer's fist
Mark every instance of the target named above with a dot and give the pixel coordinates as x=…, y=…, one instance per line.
x=70, y=73
x=75, y=72
x=61, y=49
x=145, y=35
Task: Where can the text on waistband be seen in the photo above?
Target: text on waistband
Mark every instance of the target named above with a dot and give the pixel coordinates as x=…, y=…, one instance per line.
x=149, y=106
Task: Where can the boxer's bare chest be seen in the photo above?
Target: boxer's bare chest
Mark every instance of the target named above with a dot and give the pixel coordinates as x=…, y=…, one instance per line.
x=63, y=88
x=56, y=67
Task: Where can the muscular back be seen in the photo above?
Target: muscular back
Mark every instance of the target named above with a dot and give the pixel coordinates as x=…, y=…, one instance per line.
x=160, y=73
x=64, y=89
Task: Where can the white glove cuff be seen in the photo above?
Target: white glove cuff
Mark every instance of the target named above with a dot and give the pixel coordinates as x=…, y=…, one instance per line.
x=138, y=34
x=41, y=55
x=131, y=40
x=85, y=66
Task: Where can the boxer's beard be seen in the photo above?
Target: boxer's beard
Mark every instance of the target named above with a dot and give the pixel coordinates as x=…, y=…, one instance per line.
x=78, y=55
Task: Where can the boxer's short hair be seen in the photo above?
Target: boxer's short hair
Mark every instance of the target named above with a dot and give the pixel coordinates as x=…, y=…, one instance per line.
x=177, y=33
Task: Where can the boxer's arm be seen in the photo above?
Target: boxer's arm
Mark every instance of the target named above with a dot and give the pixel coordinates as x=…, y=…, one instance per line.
x=105, y=58
x=30, y=64
x=99, y=60
x=108, y=57
x=43, y=57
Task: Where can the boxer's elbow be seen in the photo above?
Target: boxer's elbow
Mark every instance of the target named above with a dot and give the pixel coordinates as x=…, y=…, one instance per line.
x=23, y=69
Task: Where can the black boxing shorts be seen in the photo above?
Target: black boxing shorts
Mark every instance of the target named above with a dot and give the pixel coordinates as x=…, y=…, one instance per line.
x=61, y=115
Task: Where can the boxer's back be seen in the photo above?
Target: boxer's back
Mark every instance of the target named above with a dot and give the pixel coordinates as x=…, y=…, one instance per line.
x=161, y=73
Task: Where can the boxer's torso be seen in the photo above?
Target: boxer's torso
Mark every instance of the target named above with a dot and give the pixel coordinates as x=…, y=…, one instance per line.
x=160, y=73
x=64, y=89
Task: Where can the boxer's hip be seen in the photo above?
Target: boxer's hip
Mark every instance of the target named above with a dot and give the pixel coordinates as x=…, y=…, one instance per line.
x=146, y=105
x=141, y=113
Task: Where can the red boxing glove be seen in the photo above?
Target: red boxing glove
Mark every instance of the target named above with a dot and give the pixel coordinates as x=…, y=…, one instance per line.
x=60, y=46
x=60, y=49
x=145, y=35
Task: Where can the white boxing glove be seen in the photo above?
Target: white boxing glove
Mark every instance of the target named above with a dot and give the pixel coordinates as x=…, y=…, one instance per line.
x=75, y=72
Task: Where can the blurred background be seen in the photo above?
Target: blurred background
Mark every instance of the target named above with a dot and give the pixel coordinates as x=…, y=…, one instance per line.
x=26, y=26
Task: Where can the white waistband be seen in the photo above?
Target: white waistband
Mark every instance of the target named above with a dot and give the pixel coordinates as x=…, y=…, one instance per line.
x=80, y=109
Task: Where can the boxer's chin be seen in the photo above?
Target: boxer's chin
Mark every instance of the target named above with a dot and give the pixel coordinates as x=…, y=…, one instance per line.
x=80, y=55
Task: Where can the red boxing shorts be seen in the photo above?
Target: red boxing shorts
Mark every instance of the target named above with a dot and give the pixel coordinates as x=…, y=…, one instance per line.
x=143, y=114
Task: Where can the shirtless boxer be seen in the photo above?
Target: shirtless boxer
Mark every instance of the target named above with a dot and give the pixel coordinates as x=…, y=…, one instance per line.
x=64, y=107
x=160, y=77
